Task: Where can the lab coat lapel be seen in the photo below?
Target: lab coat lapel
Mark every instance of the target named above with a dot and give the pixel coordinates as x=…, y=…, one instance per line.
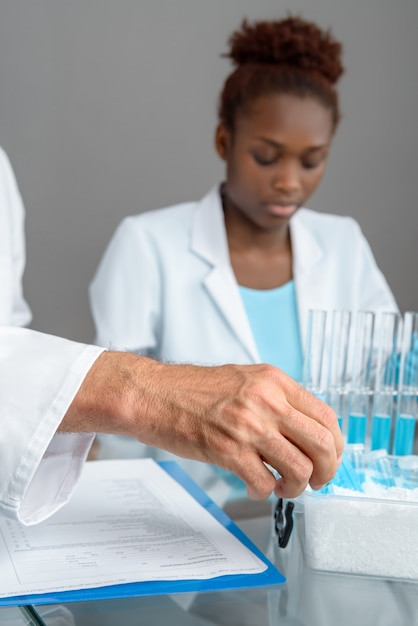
x=311, y=289
x=208, y=241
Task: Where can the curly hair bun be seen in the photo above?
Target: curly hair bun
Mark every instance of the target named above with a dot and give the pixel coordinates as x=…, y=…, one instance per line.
x=292, y=42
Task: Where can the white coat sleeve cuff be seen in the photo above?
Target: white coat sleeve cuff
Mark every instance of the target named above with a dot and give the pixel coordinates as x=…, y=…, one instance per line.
x=55, y=477
x=40, y=375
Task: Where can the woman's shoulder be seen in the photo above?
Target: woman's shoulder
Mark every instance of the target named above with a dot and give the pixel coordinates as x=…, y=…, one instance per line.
x=327, y=221
x=164, y=215
x=169, y=220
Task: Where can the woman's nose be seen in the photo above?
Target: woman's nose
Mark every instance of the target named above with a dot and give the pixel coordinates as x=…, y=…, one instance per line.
x=286, y=176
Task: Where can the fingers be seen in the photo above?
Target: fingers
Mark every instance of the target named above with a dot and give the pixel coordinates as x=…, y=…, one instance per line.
x=294, y=475
x=259, y=480
x=302, y=442
x=319, y=412
x=238, y=417
x=317, y=443
x=294, y=469
x=284, y=452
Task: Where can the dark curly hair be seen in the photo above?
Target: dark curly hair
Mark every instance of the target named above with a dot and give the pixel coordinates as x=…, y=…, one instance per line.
x=286, y=56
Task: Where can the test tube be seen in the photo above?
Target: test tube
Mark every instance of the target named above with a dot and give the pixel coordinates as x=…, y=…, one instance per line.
x=385, y=381
x=408, y=375
x=314, y=351
x=347, y=475
x=355, y=453
x=408, y=468
x=405, y=424
x=360, y=391
x=406, y=412
x=337, y=363
x=379, y=468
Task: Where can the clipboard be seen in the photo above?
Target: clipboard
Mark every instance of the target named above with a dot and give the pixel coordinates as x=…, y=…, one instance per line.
x=269, y=577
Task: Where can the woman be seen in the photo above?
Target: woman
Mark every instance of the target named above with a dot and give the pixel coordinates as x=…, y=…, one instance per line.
x=231, y=278
x=188, y=283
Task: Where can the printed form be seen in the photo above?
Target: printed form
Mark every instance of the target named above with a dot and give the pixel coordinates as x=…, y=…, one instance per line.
x=128, y=521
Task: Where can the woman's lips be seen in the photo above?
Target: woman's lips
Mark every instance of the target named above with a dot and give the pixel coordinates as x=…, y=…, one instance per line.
x=281, y=210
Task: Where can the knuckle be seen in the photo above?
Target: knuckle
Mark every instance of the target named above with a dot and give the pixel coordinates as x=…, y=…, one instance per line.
x=261, y=488
x=329, y=415
x=325, y=442
x=301, y=471
x=289, y=489
x=245, y=424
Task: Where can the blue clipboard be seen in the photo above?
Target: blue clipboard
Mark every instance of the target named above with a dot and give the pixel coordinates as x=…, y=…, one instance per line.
x=270, y=577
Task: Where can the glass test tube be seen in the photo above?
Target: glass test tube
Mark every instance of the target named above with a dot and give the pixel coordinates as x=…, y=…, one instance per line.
x=337, y=363
x=314, y=351
x=408, y=470
x=385, y=381
x=356, y=453
x=406, y=412
x=379, y=469
x=360, y=391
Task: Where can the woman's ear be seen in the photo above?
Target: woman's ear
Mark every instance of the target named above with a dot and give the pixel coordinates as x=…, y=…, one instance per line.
x=222, y=141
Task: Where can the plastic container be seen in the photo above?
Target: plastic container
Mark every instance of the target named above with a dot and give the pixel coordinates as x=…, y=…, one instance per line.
x=359, y=535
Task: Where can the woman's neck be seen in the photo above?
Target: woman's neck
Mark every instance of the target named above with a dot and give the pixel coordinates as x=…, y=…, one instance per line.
x=261, y=259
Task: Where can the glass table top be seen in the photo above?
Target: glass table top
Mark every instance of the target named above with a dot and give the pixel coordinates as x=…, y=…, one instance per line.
x=308, y=598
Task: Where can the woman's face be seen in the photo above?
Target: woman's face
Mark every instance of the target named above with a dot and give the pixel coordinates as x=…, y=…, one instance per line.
x=275, y=157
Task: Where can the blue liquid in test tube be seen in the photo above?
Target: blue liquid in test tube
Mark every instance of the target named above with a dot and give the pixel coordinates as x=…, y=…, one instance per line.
x=360, y=393
x=357, y=428
x=404, y=435
x=385, y=381
x=358, y=417
x=382, y=420
x=381, y=431
x=406, y=413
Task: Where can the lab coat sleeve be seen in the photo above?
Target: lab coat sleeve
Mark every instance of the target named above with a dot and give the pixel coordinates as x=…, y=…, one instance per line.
x=39, y=376
x=13, y=251
x=125, y=294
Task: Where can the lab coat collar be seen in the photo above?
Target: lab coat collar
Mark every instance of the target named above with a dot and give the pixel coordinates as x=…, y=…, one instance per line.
x=303, y=242
x=209, y=241
x=208, y=238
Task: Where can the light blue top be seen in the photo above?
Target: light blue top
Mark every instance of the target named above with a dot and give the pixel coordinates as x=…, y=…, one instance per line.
x=273, y=317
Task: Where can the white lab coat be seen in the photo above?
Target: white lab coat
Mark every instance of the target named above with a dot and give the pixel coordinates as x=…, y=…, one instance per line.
x=165, y=285
x=39, y=377
x=14, y=309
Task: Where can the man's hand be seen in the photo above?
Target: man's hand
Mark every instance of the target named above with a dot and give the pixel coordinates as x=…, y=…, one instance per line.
x=238, y=417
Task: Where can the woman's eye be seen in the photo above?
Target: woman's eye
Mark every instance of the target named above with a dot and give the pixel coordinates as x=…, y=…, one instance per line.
x=310, y=165
x=313, y=162
x=264, y=159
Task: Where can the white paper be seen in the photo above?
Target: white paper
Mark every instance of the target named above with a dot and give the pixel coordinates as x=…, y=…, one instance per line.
x=128, y=521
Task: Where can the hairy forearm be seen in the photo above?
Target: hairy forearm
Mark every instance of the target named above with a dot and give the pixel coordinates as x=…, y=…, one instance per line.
x=238, y=417
x=116, y=385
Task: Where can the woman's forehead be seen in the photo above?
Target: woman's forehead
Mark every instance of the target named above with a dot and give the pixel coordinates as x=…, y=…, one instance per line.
x=276, y=114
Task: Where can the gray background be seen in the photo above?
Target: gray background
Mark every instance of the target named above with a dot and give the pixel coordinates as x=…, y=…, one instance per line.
x=108, y=108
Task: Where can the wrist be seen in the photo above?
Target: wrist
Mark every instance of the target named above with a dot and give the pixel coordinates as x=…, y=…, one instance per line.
x=110, y=395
